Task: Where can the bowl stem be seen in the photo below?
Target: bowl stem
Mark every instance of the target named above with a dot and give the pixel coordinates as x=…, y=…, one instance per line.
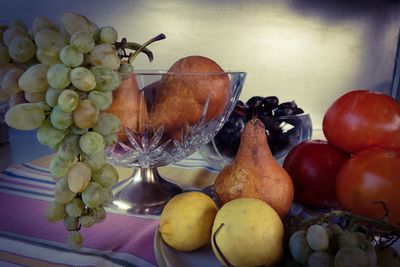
x=144, y=193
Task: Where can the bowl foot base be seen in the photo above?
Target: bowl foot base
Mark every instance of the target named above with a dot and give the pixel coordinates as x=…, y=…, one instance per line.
x=144, y=193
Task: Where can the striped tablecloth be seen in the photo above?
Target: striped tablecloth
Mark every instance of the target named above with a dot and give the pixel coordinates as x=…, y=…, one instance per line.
x=27, y=239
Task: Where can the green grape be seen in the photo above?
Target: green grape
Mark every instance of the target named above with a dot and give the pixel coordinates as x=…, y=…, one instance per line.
x=317, y=237
x=10, y=81
x=95, y=160
x=48, y=37
x=42, y=23
x=110, y=139
x=347, y=239
x=107, y=123
x=335, y=229
x=61, y=191
x=104, y=54
x=71, y=56
x=34, y=79
x=100, y=214
x=68, y=100
x=74, y=240
x=107, y=196
x=59, y=167
x=35, y=97
x=78, y=177
x=48, y=135
x=44, y=106
x=96, y=31
x=299, y=247
x=320, y=259
x=12, y=33
x=78, y=131
x=88, y=220
x=106, y=79
x=58, y=76
x=75, y=207
x=21, y=49
x=83, y=79
x=125, y=67
x=52, y=96
x=108, y=35
x=17, y=23
x=107, y=176
x=73, y=22
x=69, y=147
x=103, y=100
x=48, y=55
x=362, y=240
x=71, y=223
x=91, y=142
x=333, y=240
x=86, y=114
x=61, y=119
x=92, y=195
x=25, y=117
x=4, y=56
x=351, y=257
x=82, y=41
x=55, y=211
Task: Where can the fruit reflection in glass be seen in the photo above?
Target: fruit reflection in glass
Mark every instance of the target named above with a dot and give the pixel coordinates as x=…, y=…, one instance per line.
x=286, y=125
x=166, y=116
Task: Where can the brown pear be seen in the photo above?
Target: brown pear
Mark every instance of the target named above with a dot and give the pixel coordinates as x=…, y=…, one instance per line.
x=126, y=105
x=181, y=97
x=255, y=173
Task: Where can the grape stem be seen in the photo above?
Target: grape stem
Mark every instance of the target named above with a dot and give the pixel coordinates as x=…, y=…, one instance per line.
x=143, y=46
x=139, y=48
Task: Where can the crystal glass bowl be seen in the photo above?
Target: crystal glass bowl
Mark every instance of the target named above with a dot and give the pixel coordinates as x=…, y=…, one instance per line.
x=166, y=117
x=285, y=132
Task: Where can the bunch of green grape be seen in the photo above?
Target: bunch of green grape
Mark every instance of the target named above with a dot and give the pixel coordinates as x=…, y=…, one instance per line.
x=59, y=80
x=329, y=245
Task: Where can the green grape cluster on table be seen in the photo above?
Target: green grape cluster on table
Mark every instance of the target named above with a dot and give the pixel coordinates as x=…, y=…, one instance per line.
x=330, y=245
x=59, y=79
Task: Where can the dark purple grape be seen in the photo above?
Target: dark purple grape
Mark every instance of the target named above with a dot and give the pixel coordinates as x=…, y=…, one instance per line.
x=241, y=109
x=270, y=102
x=228, y=138
x=264, y=108
x=286, y=108
x=252, y=101
x=284, y=111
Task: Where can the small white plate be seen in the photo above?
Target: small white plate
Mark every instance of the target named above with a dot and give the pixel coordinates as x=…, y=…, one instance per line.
x=169, y=257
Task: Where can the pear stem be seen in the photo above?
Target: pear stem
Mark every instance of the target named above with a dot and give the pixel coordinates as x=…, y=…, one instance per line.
x=214, y=237
x=255, y=111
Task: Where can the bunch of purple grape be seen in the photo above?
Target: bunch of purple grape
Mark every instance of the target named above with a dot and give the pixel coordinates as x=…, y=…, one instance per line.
x=269, y=111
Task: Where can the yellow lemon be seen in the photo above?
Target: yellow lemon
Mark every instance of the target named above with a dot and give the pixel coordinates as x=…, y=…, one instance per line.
x=187, y=219
x=247, y=232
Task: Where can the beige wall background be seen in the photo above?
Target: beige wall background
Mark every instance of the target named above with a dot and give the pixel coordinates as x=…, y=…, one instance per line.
x=309, y=51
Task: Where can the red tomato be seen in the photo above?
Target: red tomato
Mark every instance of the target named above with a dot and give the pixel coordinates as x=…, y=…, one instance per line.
x=361, y=119
x=313, y=166
x=371, y=176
